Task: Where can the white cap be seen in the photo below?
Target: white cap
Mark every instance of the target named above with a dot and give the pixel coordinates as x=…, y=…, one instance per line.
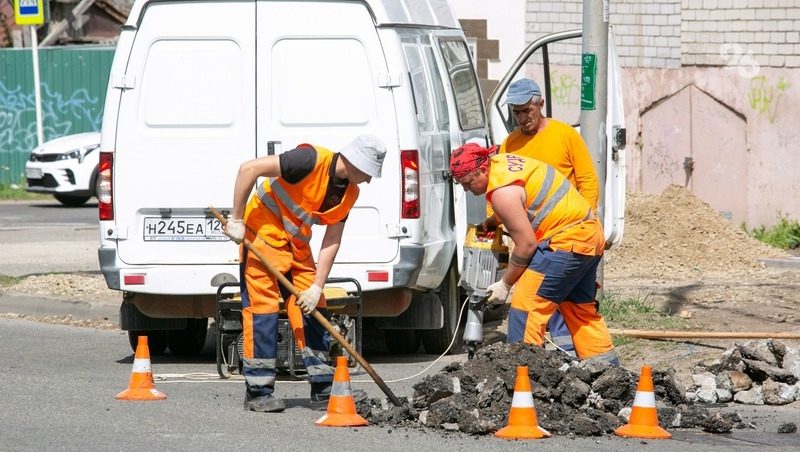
x=366, y=153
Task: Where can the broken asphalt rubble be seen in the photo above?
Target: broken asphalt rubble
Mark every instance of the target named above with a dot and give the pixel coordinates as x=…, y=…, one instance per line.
x=587, y=398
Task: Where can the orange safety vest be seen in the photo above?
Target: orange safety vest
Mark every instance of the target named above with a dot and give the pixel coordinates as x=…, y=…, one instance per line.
x=553, y=204
x=291, y=209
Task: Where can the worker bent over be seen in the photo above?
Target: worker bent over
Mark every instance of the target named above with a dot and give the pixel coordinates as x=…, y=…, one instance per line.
x=305, y=186
x=558, y=244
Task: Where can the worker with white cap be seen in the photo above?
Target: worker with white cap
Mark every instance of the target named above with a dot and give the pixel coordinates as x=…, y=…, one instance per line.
x=305, y=186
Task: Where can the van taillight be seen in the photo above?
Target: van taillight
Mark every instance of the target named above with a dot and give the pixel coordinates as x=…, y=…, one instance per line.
x=105, y=200
x=410, y=163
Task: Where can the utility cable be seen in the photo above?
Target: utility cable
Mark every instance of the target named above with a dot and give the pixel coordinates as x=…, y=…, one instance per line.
x=455, y=334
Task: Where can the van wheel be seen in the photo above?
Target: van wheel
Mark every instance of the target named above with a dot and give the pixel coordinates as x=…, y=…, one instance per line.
x=190, y=340
x=436, y=341
x=156, y=341
x=401, y=342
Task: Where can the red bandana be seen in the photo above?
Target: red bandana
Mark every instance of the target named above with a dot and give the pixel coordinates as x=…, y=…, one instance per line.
x=468, y=158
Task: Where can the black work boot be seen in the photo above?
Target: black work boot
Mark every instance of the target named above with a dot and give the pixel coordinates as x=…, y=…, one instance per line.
x=264, y=404
x=321, y=393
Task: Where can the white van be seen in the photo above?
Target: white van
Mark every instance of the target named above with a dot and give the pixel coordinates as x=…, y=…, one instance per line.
x=197, y=87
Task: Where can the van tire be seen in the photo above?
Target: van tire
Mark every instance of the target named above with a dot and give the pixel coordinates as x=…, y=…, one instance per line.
x=437, y=341
x=190, y=340
x=156, y=340
x=401, y=342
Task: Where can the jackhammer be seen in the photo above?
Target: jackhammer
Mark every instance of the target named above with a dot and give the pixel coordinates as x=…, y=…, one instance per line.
x=485, y=262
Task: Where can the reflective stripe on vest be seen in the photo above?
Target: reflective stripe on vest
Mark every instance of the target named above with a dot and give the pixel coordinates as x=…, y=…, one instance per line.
x=537, y=214
x=293, y=230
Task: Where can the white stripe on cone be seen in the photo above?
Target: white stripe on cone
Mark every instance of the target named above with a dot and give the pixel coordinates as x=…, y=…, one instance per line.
x=522, y=399
x=644, y=399
x=141, y=365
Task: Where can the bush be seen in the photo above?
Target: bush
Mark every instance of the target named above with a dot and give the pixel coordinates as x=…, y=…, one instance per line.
x=784, y=235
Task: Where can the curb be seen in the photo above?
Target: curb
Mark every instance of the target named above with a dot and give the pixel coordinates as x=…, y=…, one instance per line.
x=40, y=305
x=788, y=262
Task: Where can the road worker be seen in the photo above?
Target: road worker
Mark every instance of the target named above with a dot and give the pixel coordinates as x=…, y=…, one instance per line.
x=558, y=243
x=307, y=185
x=559, y=145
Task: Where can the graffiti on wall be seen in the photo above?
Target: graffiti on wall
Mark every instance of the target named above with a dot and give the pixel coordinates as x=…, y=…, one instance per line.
x=564, y=88
x=59, y=111
x=764, y=96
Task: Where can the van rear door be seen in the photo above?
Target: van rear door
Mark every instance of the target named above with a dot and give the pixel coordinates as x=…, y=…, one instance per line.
x=185, y=123
x=322, y=78
x=554, y=61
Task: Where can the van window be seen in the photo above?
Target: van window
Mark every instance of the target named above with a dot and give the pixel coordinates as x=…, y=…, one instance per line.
x=211, y=100
x=439, y=98
x=308, y=70
x=419, y=86
x=464, y=83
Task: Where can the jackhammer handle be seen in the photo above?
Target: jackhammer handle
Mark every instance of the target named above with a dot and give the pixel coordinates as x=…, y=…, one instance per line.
x=317, y=315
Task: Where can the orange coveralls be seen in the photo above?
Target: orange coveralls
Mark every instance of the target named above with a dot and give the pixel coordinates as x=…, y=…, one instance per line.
x=282, y=214
x=563, y=269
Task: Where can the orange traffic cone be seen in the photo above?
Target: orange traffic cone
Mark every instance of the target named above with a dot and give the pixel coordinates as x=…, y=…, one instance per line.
x=522, y=420
x=341, y=405
x=141, y=386
x=643, y=422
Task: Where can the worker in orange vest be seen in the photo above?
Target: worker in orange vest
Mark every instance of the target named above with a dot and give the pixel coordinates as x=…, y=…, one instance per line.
x=558, y=244
x=559, y=145
x=305, y=186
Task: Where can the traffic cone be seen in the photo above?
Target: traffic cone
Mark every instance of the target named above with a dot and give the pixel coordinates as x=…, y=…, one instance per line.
x=141, y=386
x=522, y=420
x=643, y=422
x=341, y=405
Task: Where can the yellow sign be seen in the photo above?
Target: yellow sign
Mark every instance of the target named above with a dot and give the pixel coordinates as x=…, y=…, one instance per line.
x=29, y=12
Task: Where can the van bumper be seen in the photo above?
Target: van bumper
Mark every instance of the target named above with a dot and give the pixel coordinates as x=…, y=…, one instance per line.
x=407, y=269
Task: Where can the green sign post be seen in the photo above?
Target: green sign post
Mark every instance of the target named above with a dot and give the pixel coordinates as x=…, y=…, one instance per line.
x=588, y=81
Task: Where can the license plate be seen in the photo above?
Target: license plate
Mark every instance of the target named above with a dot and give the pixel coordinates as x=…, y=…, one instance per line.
x=188, y=229
x=33, y=173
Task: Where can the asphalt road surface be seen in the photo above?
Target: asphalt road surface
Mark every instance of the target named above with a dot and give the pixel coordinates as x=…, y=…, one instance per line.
x=44, y=236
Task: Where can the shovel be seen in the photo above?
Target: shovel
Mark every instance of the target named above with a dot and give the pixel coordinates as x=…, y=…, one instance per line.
x=317, y=315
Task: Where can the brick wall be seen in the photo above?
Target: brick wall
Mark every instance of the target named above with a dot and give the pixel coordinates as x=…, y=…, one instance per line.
x=675, y=33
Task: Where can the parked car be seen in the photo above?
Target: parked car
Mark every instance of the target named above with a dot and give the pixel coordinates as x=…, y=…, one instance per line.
x=66, y=167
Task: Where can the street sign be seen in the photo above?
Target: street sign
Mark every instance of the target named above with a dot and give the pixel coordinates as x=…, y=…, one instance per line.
x=588, y=81
x=29, y=12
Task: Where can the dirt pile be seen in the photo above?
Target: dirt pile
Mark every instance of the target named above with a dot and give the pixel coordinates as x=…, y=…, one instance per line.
x=676, y=235
x=571, y=397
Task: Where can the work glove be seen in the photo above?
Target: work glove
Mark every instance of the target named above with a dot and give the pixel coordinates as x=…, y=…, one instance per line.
x=235, y=230
x=309, y=298
x=498, y=292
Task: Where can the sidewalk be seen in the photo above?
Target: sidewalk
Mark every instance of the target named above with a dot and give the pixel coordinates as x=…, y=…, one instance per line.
x=45, y=306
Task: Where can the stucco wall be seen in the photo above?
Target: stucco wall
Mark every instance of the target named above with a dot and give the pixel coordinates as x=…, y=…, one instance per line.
x=768, y=103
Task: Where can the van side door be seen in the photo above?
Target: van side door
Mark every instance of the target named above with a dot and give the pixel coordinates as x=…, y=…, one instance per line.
x=467, y=122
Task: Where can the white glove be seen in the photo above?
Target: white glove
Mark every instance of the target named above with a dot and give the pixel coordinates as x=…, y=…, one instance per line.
x=309, y=298
x=235, y=230
x=498, y=292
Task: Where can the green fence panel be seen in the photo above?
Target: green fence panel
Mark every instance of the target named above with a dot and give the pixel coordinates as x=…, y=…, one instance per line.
x=73, y=88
